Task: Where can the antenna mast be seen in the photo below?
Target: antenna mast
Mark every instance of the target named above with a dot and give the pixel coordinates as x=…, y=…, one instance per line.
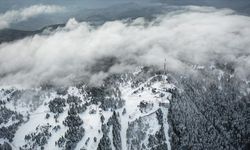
x=165, y=66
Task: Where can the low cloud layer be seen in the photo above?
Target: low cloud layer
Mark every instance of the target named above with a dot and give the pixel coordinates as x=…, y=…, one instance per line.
x=15, y=16
x=197, y=35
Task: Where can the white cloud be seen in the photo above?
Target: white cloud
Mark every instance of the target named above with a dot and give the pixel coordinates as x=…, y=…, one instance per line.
x=15, y=16
x=193, y=34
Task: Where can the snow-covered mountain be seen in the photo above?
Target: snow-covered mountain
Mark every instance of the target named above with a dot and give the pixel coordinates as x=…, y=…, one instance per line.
x=70, y=76
x=127, y=112
x=145, y=109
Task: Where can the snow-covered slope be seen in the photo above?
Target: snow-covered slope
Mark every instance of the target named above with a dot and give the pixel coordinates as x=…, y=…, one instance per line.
x=128, y=111
x=145, y=109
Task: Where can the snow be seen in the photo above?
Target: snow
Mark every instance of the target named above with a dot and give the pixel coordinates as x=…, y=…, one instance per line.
x=79, y=93
x=56, y=134
x=91, y=122
x=37, y=118
x=166, y=126
x=133, y=100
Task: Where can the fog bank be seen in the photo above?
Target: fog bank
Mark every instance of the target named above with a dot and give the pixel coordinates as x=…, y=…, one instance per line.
x=196, y=35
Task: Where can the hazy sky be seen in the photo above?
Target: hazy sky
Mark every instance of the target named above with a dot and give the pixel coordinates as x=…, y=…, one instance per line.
x=101, y=10
x=79, y=9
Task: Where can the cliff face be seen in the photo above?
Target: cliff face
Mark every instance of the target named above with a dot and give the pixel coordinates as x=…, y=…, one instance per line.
x=146, y=109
